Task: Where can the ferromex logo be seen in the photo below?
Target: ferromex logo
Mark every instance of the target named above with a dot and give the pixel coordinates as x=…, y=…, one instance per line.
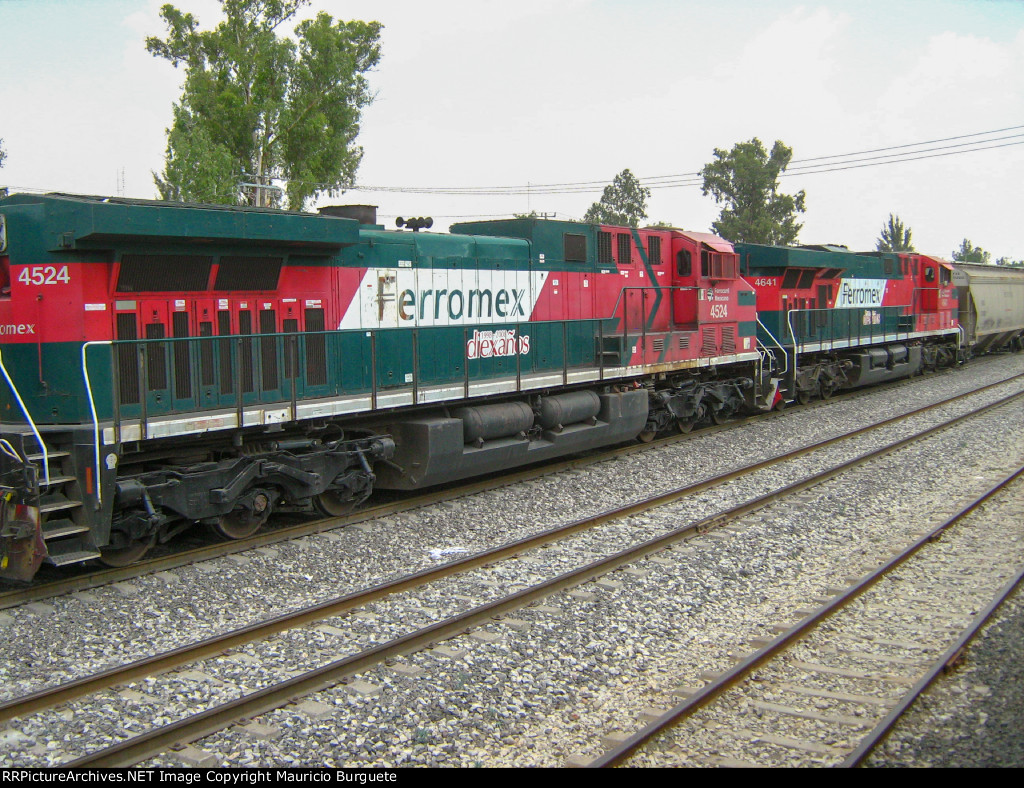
x=860, y=293
x=404, y=298
x=413, y=305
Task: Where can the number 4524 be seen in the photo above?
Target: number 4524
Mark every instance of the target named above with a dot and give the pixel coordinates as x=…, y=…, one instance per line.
x=44, y=275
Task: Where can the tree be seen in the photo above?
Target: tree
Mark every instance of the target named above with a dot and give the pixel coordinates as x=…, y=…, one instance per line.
x=968, y=253
x=746, y=180
x=3, y=153
x=257, y=108
x=623, y=202
x=895, y=237
x=1006, y=261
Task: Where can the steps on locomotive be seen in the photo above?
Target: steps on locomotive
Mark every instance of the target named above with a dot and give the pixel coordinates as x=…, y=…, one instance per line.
x=60, y=506
x=610, y=350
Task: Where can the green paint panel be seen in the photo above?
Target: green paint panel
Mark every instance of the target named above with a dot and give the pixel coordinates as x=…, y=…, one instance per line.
x=546, y=236
x=755, y=258
x=85, y=222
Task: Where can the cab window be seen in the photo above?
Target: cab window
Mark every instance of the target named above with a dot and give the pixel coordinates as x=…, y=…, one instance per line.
x=684, y=263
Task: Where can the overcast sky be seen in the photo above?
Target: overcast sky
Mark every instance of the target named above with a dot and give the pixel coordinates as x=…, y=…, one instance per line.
x=503, y=93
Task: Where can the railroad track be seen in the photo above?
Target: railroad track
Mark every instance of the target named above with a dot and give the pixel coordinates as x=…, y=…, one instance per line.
x=829, y=688
x=40, y=591
x=158, y=740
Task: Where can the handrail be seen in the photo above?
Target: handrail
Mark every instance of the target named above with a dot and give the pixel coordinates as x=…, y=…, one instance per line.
x=777, y=344
x=28, y=418
x=95, y=417
x=834, y=312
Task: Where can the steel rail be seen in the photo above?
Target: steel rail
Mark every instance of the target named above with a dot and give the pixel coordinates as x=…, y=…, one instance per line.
x=744, y=668
x=941, y=665
x=153, y=742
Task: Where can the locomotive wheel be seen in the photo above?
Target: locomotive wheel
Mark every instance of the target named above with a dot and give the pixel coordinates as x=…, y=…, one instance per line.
x=827, y=391
x=803, y=396
x=242, y=522
x=686, y=425
x=647, y=436
x=718, y=417
x=238, y=525
x=125, y=556
x=331, y=504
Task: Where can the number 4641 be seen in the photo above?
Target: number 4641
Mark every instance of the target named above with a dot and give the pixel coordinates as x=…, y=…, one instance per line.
x=44, y=275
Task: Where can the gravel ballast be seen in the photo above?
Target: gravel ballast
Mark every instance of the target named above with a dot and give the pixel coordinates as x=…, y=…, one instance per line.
x=536, y=689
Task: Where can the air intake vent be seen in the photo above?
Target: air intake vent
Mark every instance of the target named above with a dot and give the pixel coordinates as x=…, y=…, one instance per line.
x=160, y=273
x=684, y=342
x=709, y=342
x=728, y=339
x=658, y=344
x=248, y=273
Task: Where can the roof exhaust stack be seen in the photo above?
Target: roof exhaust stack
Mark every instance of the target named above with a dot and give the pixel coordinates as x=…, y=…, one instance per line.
x=364, y=214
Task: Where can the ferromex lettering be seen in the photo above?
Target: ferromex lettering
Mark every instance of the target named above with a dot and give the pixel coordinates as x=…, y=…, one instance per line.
x=10, y=329
x=428, y=297
x=860, y=293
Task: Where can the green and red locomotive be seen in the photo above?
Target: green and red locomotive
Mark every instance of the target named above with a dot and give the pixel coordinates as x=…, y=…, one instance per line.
x=166, y=364
x=842, y=320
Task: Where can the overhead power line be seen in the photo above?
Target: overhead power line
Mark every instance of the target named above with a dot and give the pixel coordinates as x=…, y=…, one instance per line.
x=829, y=163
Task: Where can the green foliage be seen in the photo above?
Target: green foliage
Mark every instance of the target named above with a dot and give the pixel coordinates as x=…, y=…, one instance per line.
x=257, y=107
x=3, y=153
x=1006, y=261
x=746, y=180
x=623, y=202
x=895, y=237
x=968, y=253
